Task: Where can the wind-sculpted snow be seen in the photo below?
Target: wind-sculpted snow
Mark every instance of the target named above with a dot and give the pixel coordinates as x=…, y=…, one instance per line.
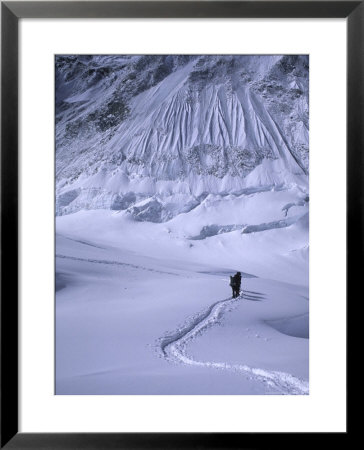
x=131, y=128
x=174, y=348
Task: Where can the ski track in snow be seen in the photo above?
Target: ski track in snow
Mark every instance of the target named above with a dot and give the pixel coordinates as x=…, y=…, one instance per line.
x=115, y=263
x=173, y=347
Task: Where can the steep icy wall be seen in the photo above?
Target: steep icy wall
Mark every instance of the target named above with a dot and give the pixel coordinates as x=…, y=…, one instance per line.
x=156, y=134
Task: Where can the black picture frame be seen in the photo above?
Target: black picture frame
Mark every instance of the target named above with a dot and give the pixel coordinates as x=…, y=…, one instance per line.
x=11, y=12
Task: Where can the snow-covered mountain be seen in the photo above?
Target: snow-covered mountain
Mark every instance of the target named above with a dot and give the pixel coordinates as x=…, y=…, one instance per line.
x=172, y=174
x=157, y=135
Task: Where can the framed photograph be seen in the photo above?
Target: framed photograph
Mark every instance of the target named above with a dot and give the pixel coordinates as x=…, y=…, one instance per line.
x=181, y=221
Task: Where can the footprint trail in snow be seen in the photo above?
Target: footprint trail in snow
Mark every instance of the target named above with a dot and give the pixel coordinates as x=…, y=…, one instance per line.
x=174, y=345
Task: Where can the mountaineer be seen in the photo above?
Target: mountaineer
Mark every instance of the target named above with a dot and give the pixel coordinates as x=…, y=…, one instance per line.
x=235, y=283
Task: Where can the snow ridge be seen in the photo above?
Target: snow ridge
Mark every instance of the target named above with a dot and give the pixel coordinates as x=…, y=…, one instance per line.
x=173, y=347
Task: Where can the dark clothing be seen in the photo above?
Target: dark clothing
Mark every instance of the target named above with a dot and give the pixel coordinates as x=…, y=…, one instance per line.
x=235, y=283
x=237, y=277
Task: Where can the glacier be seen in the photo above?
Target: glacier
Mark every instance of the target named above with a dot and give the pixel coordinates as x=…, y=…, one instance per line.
x=214, y=124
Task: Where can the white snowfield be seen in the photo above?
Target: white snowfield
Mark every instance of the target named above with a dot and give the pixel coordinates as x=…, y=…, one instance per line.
x=141, y=309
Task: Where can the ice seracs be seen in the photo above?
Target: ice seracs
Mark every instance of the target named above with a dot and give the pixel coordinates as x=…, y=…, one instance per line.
x=181, y=125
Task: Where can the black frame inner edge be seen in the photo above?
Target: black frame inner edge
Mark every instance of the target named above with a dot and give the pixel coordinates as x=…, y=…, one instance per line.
x=11, y=12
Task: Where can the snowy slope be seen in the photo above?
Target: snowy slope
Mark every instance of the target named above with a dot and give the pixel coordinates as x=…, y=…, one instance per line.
x=136, y=309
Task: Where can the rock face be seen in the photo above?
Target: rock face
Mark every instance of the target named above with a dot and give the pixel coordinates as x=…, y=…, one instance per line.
x=154, y=135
